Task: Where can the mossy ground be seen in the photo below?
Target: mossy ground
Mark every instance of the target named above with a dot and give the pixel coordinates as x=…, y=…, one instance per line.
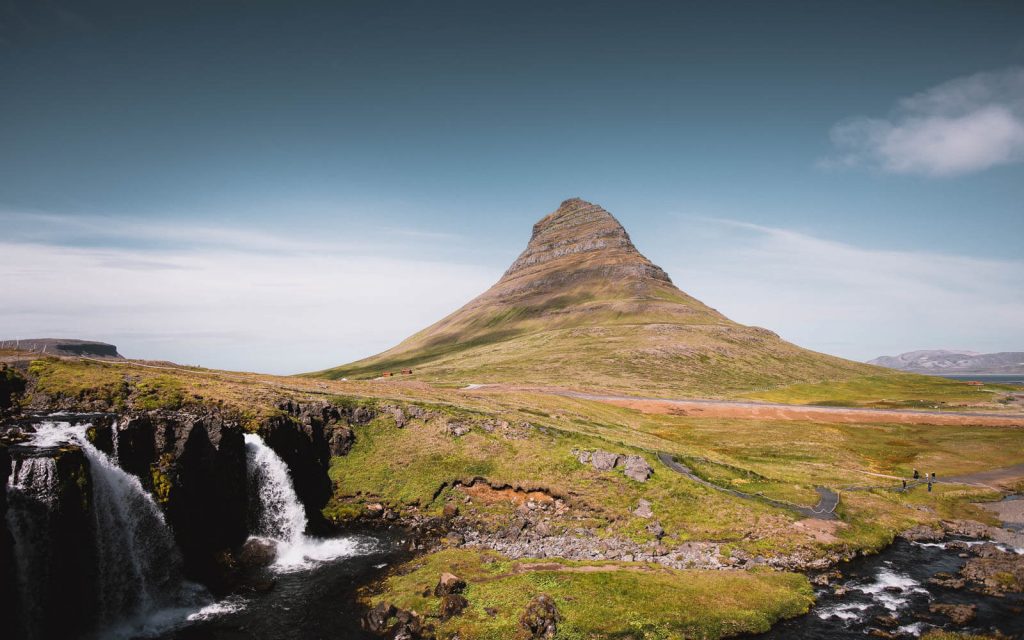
x=599, y=600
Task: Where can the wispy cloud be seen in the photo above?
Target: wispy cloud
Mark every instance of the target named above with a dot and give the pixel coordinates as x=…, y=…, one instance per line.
x=963, y=126
x=853, y=301
x=234, y=298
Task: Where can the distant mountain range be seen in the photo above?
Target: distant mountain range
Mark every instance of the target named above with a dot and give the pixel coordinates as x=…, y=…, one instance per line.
x=581, y=307
x=945, y=361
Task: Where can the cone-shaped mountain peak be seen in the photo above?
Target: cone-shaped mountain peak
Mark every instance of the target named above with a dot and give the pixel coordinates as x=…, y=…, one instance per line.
x=576, y=238
x=581, y=307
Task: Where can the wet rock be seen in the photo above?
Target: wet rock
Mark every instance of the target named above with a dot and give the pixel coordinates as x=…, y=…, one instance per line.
x=637, y=468
x=946, y=580
x=643, y=509
x=604, y=460
x=923, y=533
x=448, y=584
x=998, y=573
x=452, y=605
x=376, y=619
x=959, y=614
x=256, y=553
x=541, y=617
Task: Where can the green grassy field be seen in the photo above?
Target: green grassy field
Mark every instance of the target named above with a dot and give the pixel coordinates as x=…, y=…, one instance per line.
x=603, y=600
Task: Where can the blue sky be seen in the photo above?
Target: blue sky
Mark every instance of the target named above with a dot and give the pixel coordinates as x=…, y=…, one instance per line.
x=286, y=186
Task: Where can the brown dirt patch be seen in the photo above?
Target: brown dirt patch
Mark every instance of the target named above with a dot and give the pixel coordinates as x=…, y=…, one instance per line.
x=486, y=494
x=823, y=531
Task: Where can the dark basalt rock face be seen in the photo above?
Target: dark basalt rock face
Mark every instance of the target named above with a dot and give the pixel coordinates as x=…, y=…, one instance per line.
x=306, y=437
x=195, y=467
x=58, y=526
x=7, y=591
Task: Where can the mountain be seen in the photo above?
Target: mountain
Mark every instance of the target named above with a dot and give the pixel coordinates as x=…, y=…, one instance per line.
x=582, y=308
x=63, y=347
x=943, y=361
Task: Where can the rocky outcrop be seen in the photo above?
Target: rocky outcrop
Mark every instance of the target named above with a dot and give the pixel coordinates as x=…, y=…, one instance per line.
x=195, y=466
x=52, y=494
x=306, y=436
x=541, y=617
x=7, y=592
x=12, y=385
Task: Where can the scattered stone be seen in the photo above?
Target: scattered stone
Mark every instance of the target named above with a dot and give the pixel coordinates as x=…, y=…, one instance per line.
x=398, y=415
x=376, y=619
x=959, y=614
x=541, y=617
x=583, y=457
x=656, y=530
x=638, y=469
x=452, y=605
x=643, y=509
x=449, y=583
x=604, y=460
x=457, y=429
x=943, y=579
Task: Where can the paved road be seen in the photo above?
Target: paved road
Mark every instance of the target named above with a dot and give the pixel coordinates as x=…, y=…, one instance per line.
x=824, y=510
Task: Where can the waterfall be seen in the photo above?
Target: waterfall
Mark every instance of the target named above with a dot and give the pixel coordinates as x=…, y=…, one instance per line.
x=32, y=493
x=137, y=564
x=277, y=515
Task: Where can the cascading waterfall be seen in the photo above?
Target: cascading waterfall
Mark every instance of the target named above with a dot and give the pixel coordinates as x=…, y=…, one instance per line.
x=277, y=515
x=137, y=564
x=32, y=492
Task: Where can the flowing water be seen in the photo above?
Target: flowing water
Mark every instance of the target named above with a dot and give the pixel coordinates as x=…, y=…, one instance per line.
x=277, y=515
x=134, y=575
x=890, y=592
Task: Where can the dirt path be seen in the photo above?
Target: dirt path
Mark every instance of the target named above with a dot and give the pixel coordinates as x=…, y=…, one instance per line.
x=828, y=500
x=1003, y=478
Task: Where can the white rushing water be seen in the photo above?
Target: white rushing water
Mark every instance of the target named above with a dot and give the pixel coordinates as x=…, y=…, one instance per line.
x=137, y=582
x=277, y=515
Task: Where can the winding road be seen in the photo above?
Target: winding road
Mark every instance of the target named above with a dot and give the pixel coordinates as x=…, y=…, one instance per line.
x=828, y=499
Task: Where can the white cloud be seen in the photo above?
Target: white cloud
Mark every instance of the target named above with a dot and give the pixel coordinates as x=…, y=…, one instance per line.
x=240, y=300
x=963, y=126
x=852, y=301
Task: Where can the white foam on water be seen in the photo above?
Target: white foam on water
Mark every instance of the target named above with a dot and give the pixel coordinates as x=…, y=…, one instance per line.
x=281, y=518
x=845, y=611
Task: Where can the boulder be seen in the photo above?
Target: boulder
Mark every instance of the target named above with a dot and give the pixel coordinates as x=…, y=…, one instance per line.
x=959, y=614
x=256, y=553
x=637, y=468
x=449, y=583
x=643, y=509
x=457, y=429
x=604, y=460
x=376, y=619
x=452, y=605
x=541, y=617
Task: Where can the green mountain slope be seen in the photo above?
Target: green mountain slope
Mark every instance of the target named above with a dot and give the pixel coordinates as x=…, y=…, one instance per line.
x=582, y=308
